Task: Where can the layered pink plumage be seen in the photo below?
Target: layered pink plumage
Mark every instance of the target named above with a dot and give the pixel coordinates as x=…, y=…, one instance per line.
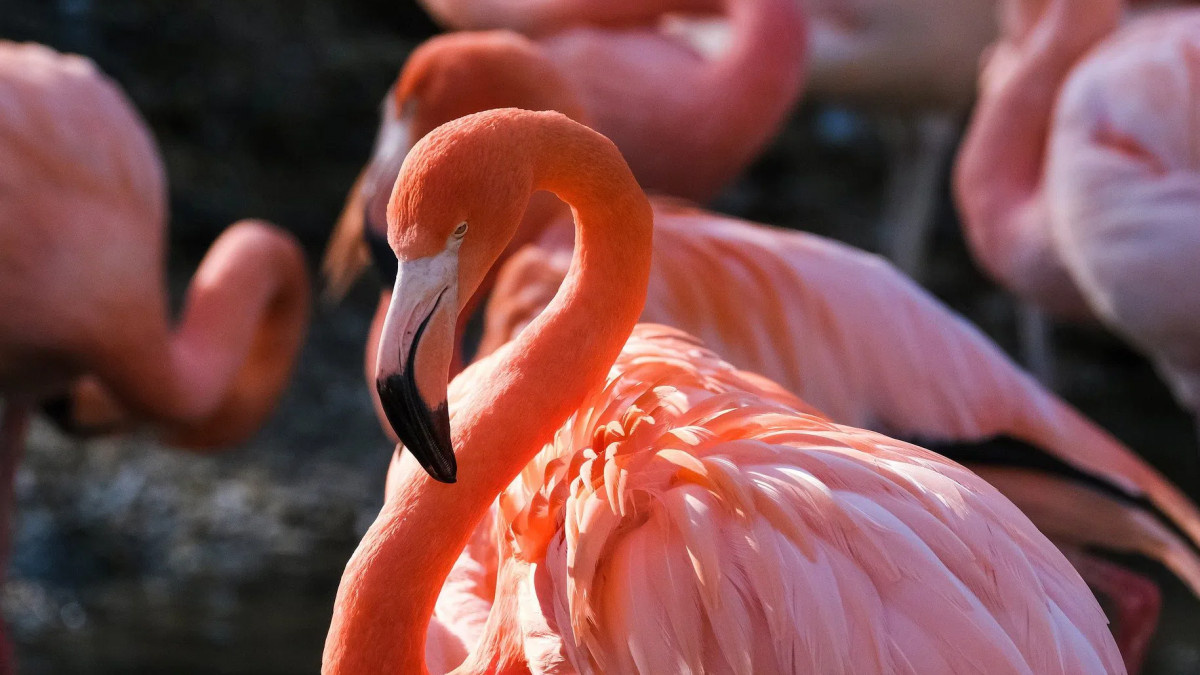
x=696, y=518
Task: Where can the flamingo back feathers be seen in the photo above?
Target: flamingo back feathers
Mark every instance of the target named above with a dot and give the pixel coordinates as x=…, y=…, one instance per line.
x=858, y=340
x=691, y=519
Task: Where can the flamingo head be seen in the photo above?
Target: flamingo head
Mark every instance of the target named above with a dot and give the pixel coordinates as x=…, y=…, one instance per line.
x=457, y=202
x=448, y=77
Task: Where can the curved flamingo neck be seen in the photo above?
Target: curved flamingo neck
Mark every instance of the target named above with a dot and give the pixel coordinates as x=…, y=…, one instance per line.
x=767, y=56
x=391, y=583
x=750, y=89
x=218, y=374
x=999, y=173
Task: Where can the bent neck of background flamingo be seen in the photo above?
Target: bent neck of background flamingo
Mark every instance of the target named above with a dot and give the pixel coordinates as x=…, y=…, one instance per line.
x=1000, y=166
x=217, y=377
x=767, y=56
x=748, y=91
x=379, y=625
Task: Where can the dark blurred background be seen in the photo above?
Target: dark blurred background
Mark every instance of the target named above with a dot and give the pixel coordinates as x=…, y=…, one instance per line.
x=131, y=559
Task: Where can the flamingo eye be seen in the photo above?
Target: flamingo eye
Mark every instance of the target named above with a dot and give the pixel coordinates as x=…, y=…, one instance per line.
x=460, y=231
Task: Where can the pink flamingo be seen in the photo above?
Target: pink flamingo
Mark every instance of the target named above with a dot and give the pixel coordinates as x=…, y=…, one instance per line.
x=750, y=534
x=732, y=104
x=82, y=279
x=1123, y=175
x=1073, y=202
x=706, y=101
x=825, y=344
x=864, y=344
x=998, y=176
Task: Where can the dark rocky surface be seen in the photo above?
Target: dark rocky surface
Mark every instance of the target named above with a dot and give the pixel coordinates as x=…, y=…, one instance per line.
x=133, y=558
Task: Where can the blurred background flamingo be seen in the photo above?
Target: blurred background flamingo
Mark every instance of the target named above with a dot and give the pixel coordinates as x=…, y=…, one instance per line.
x=1124, y=171
x=999, y=171
x=695, y=459
x=1089, y=170
x=910, y=63
x=694, y=100
x=83, y=279
x=83, y=286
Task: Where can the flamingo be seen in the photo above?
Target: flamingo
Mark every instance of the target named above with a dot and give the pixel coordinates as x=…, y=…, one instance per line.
x=998, y=175
x=708, y=98
x=1123, y=175
x=1062, y=179
x=863, y=343
x=732, y=104
x=636, y=469
x=82, y=279
x=826, y=345
x=85, y=329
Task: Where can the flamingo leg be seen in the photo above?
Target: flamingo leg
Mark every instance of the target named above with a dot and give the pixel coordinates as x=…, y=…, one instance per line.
x=1036, y=343
x=1137, y=602
x=920, y=150
x=13, y=426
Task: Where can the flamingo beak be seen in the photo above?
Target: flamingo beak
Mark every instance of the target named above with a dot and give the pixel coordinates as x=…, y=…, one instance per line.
x=414, y=360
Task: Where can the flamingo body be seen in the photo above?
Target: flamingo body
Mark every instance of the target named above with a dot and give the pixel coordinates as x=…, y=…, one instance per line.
x=861, y=342
x=82, y=276
x=726, y=527
x=1124, y=168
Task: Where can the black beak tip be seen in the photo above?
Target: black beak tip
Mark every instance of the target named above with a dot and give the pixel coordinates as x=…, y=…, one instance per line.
x=449, y=477
x=425, y=432
x=433, y=448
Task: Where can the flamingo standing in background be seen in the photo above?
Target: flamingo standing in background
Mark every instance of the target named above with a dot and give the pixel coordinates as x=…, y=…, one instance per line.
x=719, y=115
x=999, y=173
x=707, y=99
x=82, y=276
x=839, y=327
x=1123, y=175
x=659, y=510
x=1073, y=181
x=82, y=281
